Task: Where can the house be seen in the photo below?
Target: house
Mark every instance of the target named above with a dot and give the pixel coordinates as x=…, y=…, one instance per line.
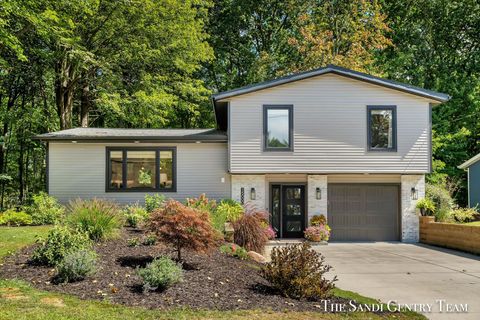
x=328, y=141
x=472, y=166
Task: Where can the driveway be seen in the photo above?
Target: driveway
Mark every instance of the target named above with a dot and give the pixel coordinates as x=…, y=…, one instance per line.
x=408, y=273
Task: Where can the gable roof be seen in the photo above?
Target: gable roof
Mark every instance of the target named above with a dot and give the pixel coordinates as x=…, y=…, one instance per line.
x=470, y=162
x=117, y=134
x=437, y=96
x=220, y=107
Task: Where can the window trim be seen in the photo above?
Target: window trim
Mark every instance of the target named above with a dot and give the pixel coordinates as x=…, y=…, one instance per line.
x=267, y=107
x=393, y=108
x=157, y=171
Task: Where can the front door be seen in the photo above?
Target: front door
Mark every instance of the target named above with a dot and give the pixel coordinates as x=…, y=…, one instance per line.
x=288, y=210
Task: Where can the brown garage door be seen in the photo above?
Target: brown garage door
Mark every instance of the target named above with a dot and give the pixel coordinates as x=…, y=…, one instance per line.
x=363, y=212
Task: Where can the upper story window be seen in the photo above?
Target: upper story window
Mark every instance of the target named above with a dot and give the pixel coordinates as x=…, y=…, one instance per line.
x=141, y=169
x=382, y=128
x=278, y=127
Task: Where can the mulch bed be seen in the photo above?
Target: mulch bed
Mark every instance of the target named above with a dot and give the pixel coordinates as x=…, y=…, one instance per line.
x=216, y=281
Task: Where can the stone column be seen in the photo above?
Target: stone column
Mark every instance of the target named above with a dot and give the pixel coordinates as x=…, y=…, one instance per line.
x=410, y=222
x=317, y=206
x=247, y=182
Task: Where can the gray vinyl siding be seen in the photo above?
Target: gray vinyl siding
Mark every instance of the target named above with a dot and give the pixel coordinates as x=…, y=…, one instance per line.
x=330, y=124
x=474, y=185
x=78, y=170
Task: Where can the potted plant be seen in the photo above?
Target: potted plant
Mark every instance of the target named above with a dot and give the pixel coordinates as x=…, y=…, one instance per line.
x=426, y=207
x=319, y=231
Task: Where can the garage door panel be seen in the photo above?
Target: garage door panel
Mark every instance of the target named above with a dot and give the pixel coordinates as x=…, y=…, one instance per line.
x=363, y=212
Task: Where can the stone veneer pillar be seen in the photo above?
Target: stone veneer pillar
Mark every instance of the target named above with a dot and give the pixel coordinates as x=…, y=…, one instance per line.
x=248, y=182
x=410, y=222
x=317, y=206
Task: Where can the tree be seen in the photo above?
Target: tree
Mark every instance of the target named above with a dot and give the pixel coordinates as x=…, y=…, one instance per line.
x=437, y=46
x=183, y=227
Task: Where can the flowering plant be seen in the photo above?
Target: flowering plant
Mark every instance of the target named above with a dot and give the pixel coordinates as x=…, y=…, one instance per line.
x=271, y=234
x=317, y=233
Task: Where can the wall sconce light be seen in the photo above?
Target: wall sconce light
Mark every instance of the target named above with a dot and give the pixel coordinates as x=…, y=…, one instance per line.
x=318, y=193
x=414, y=193
x=253, y=194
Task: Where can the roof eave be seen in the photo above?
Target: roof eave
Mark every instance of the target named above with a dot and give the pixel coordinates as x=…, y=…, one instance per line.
x=132, y=139
x=469, y=162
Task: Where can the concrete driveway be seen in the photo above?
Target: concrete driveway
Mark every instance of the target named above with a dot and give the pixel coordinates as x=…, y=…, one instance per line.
x=408, y=273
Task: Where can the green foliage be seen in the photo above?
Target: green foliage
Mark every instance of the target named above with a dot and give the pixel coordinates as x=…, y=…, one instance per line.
x=464, y=215
x=444, y=203
x=234, y=250
x=13, y=217
x=298, y=271
x=135, y=215
x=133, y=242
x=202, y=203
x=317, y=220
x=149, y=240
x=226, y=211
x=76, y=265
x=154, y=202
x=45, y=209
x=59, y=242
x=100, y=219
x=145, y=177
x=426, y=206
x=160, y=274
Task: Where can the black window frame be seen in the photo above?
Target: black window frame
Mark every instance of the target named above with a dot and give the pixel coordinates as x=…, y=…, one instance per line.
x=392, y=108
x=267, y=107
x=157, y=188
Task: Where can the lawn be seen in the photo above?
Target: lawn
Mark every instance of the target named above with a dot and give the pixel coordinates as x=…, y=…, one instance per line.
x=21, y=301
x=13, y=238
x=475, y=224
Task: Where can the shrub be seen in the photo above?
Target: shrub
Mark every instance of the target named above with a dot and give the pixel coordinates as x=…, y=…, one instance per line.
x=100, y=219
x=317, y=233
x=442, y=200
x=202, y=203
x=45, y=209
x=59, y=242
x=318, y=220
x=133, y=242
x=77, y=265
x=249, y=232
x=297, y=271
x=160, y=274
x=226, y=211
x=183, y=228
x=234, y=250
x=426, y=206
x=154, y=202
x=11, y=217
x=463, y=215
x=149, y=240
x=135, y=215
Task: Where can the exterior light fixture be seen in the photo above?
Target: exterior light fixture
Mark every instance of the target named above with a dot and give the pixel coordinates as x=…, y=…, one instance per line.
x=253, y=194
x=414, y=194
x=318, y=193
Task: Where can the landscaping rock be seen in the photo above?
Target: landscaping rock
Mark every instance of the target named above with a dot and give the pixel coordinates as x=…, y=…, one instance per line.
x=256, y=257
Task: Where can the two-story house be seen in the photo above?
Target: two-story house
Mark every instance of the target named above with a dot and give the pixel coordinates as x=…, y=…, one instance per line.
x=330, y=141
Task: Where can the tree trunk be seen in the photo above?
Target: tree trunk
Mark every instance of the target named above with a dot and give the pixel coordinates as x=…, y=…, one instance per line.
x=85, y=104
x=64, y=89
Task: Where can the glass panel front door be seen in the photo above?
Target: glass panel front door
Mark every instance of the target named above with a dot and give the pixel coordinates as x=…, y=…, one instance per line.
x=293, y=211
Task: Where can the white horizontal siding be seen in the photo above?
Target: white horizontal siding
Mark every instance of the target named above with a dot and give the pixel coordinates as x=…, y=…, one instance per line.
x=78, y=170
x=330, y=129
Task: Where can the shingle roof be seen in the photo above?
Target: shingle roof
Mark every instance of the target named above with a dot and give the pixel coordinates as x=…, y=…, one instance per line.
x=185, y=135
x=437, y=96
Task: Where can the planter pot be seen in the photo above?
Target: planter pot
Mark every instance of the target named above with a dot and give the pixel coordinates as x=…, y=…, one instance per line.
x=228, y=231
x=427, y=219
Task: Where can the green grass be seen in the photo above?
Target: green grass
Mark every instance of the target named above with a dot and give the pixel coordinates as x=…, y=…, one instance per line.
x=20, y=301
x=14, y=238
x=474, y=223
